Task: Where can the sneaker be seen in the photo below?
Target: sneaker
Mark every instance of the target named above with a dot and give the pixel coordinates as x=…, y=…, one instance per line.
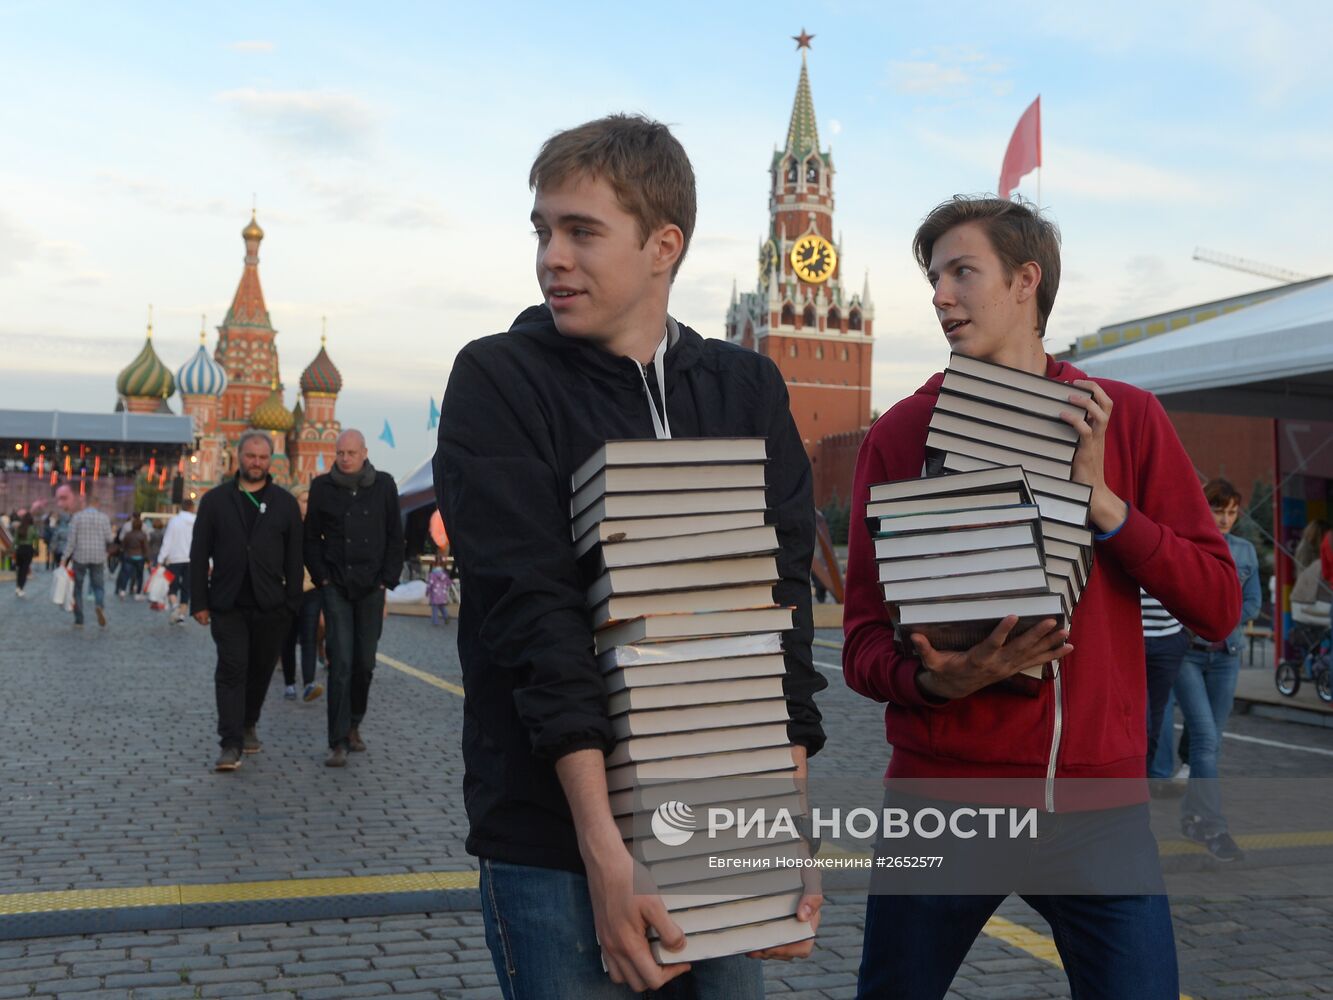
x=354, y=741
x=289, y=692
x=252, y=744
x=78, y=624
x=101, y=617
x=228, y=760
x=337, y=757
x=313, y=690
x=1182, y=775
x=18, y=591
x=1223, y=848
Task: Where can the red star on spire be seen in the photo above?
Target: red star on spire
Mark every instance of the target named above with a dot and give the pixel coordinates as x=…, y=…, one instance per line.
x=802, y=40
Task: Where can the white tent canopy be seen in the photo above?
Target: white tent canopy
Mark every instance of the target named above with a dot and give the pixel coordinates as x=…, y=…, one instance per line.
x=1274, y=359
x=417, y=488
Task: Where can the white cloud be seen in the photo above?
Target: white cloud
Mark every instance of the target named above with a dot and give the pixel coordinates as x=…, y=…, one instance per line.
x=1099, y=175
x=17, y=244
x=835, y=126
x=253, y=45
x=949, y=71
x=305, y=120
x=158, y=195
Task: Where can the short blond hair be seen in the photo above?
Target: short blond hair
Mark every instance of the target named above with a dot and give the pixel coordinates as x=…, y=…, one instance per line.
x=643, y=162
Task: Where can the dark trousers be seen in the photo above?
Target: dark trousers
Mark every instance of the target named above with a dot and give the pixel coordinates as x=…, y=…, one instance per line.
x=1163, y=657
x=23, y=559
x=351, y=634
x=248, y=642
x=304, y=631
x=180, y=581
x=1112, y=947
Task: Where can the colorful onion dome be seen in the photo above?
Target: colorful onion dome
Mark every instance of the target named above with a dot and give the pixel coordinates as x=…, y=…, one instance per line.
x=321, y=375
x=201, y=375
x=272, y=414
x=252, y=231
x=146, y=376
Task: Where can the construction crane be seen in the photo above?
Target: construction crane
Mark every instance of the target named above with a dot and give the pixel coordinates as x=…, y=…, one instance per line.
x=1247, y=266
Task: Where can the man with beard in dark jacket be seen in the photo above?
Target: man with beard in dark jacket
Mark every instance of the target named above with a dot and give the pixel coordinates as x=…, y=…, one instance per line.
x=250, y=529
x=354, y=551
x=600, y=359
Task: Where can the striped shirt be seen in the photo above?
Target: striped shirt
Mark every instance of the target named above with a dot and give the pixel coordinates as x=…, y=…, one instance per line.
x=89, y=535
x=1157, y=621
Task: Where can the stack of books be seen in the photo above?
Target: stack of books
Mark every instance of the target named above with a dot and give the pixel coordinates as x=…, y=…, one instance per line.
x=992, y=415
x=998, y=527
x=673, y=534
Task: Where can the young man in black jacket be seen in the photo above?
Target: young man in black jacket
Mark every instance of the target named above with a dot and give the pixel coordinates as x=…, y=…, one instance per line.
x=354, y=550
x=601, y=359
x=251, y=530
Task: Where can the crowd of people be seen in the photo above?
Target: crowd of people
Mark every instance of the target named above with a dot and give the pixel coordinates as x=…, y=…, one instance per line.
x=276, y=576
x=1161, y=618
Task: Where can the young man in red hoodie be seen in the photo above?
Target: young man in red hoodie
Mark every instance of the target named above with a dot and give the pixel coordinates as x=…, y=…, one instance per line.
x=995, y=267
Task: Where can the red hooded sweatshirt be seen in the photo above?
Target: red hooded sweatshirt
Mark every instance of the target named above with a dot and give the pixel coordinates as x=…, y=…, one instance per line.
x=1089, y=722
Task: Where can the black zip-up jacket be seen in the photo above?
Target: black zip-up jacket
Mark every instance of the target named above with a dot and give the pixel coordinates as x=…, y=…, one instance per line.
x=354, y=540
x=272, y=551
x=522, y=411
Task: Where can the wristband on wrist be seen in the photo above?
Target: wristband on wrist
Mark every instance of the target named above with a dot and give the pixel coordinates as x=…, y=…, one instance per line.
x=1106, y=536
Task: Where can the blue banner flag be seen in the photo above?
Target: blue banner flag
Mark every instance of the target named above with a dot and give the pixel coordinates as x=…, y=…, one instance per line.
x=386, y=435
x=434, y=417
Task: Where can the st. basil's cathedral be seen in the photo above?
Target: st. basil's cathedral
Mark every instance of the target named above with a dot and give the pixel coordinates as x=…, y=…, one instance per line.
x=238, y=387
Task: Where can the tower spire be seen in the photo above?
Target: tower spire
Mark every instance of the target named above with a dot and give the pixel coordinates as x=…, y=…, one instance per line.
x=150, y=321
x=802, y=133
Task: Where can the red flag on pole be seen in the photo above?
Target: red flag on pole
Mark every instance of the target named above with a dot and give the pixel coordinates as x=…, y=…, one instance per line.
x=1024, y=152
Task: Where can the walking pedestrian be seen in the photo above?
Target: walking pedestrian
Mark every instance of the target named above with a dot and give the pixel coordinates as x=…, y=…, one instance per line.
x=133, y=553
x=354, y=550
x=55, y=545
x=1165, y=642
x=26, y=537
x=174, y=554
x=601, y=357
x=1206, y=687
x=251, y=530
x=437, y=592
x=90, y=536
x=304, y=631
x=994, y=269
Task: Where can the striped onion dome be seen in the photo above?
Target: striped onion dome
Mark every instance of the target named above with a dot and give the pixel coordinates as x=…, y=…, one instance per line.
x=272, y=414
x=321, y=375
x=146, y=375
x=201, y=375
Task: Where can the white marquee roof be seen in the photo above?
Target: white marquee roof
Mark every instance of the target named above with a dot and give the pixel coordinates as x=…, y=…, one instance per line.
x=1274, y=359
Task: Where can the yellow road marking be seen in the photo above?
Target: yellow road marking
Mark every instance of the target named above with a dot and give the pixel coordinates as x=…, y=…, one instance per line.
x=826, y=644
x=178, y=895
x=420, y=675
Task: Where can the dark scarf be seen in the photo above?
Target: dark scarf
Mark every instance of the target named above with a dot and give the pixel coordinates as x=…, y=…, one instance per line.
x=359, y=481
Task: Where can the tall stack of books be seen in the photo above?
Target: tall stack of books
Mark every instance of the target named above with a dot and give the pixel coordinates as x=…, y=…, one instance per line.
x=998, y=527
x=689, y=643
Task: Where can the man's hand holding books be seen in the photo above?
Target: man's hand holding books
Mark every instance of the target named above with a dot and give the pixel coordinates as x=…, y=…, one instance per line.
x=948, y=675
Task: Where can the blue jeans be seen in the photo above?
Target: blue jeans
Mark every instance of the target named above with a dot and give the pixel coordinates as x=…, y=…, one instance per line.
x=1205, y=688
x=94, y=572
x=351, y=635
x=1113, y=947
x=1162, y=657
x=539, y=928
x=1162, y=764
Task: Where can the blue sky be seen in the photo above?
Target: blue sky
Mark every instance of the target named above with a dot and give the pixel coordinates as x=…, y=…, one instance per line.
x=388, y=149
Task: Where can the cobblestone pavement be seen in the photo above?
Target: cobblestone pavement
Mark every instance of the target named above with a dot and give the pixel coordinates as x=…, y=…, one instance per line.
x=105, y=781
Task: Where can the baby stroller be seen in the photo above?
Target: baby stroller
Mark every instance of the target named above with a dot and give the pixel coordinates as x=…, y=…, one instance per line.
x=1310, y=632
